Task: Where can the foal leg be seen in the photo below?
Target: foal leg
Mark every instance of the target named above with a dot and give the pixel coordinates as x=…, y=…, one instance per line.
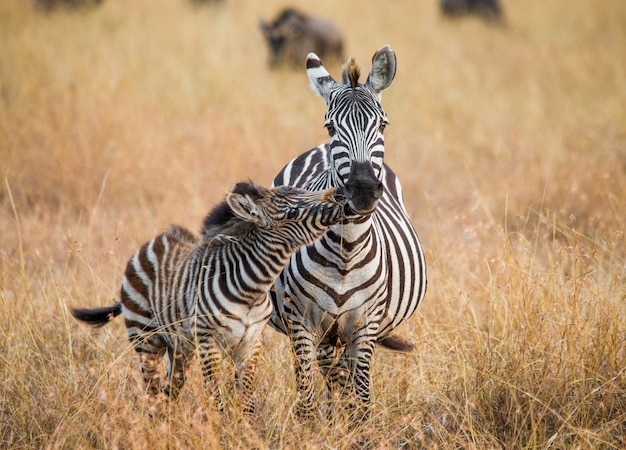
x=211, y=357
x=179, y=362
x=150, y=349
x=246, y=371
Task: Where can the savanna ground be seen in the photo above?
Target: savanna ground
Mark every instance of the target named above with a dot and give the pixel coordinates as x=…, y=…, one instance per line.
x=511, y=146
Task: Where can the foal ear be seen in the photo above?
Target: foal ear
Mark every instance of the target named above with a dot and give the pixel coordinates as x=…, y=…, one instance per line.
x=245, y=208
x=383, y=71
x=319, y=79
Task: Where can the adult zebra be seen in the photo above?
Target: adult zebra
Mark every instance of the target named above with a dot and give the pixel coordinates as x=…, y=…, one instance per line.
x=181, y=292
x=340, y=296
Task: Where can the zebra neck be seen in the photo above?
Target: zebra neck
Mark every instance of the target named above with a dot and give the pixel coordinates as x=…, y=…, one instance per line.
x=257, y=257
x=350, y=238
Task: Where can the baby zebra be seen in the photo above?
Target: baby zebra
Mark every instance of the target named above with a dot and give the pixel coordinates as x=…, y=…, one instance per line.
x=181, y=292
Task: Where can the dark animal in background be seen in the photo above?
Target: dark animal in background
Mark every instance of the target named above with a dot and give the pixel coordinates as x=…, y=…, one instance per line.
x=49, y=5
x=489, y=10
x=293, y=35
x=206, y=2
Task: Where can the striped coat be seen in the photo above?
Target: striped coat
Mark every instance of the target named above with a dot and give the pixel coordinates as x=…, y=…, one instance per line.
x=337, y=298
x=181, y=292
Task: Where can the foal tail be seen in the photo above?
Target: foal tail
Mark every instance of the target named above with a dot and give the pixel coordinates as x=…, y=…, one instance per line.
x=98, y=317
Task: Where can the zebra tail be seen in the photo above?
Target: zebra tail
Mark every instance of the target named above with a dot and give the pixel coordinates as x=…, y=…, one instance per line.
x=98, y=317
x=396, y=343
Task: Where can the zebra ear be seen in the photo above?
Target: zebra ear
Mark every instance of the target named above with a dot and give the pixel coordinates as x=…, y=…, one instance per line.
x=383, y=70
x=245, y=208
x=319, y=79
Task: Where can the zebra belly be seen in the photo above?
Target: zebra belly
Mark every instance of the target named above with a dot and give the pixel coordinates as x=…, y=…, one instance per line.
x=235, y=332
x=336, y=294
x=337, y=308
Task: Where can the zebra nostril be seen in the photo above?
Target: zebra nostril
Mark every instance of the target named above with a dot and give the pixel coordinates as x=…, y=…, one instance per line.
x=378, y=191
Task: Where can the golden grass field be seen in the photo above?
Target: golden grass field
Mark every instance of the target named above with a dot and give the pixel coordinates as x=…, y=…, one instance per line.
x=511, y=146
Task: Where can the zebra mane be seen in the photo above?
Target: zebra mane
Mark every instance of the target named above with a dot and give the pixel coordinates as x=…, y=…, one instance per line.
x=249, y=188
x=222, y=220
x=181, y=234
x=351, y=73
x=219, y=216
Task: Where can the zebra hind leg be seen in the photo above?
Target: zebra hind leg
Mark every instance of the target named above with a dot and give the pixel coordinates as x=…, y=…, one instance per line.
x=357, y=358
x=151, y=351
x=335, y=373
x=333, y=367
x=178, y=364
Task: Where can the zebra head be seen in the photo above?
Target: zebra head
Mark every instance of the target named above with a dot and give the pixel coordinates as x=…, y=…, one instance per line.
x=294, y=216
x=356, y=121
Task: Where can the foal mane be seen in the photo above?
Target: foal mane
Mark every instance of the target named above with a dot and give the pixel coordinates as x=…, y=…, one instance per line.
x=222, y=221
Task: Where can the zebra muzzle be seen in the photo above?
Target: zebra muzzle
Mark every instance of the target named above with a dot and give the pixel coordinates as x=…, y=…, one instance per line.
x=363, y=189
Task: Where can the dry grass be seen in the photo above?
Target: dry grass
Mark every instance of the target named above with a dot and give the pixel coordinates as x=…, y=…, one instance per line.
x=511, y=145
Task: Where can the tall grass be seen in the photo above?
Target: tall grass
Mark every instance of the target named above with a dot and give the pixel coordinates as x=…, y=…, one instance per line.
x=511, y=146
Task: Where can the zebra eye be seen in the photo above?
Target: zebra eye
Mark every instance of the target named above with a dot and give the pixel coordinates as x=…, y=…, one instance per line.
x=291, y=214
x=382, y=127
x=331, y=130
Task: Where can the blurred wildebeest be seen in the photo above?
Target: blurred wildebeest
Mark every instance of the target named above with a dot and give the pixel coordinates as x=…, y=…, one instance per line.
x=207, y=2
x=489, y=10
x=293, y=35
x=49, y=5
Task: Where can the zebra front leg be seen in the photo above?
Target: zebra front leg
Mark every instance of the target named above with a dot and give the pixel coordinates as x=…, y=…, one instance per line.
x=305, y=349
x=357, y=358
x=211, y=357
x=245, y=374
